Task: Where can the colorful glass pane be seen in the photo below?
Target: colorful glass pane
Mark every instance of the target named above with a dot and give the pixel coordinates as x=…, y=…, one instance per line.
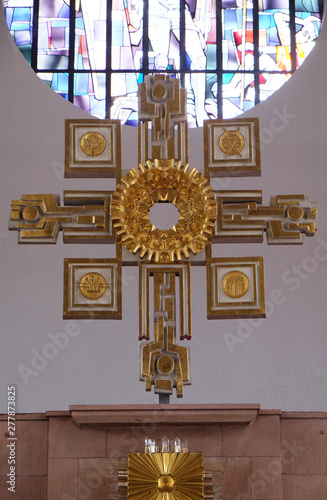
x=232, y=52
x=91, y=34
x=124, y=101
x=275, y=37
x=89, y=93
x=53, y=36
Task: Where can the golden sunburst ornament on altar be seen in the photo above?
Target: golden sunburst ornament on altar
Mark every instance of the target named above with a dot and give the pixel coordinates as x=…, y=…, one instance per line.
x=164, y=181
x=165, y=476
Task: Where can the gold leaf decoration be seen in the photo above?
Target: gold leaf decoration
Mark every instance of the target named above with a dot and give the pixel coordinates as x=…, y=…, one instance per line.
x=163, y=181
x=165, y=476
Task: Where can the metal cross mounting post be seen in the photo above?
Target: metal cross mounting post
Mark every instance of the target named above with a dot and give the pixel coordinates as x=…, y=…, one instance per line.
x=92, y=287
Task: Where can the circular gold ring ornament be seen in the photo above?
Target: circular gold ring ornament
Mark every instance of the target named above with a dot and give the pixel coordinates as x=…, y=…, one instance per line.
x=231, y=142
x=235, y=284
x=164, y=181
x=93, y=286
x=93, y=144
x=30, y=214
x=295, y=212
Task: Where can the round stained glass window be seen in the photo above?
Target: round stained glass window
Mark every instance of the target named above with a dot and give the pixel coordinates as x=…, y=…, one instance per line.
x=229, y=54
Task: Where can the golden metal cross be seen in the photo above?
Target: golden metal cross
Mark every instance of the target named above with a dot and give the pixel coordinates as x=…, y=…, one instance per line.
x=235, y=286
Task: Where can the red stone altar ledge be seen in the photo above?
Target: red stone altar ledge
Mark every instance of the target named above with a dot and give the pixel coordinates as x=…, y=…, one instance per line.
x=171, y=414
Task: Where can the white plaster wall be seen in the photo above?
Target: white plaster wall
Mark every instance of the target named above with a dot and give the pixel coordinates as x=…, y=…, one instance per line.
x=280, y=363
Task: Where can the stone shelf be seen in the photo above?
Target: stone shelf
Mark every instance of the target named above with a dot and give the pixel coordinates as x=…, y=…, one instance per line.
x=103, y=415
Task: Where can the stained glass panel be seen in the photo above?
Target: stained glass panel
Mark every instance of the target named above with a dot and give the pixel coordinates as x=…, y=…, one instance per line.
x=20, y=23
x=89, y=93
x=53, y=35
x=124, y=102
x=229, y=54
x=275, y=37
x=91, y=34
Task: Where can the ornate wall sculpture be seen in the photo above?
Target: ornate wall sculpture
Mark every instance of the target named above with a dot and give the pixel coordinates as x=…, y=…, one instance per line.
x=235, y=286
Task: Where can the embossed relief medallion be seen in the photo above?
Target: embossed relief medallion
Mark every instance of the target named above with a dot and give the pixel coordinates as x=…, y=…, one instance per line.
x=93, y=144
x=231, y=142
x=93, y=286
x=235, y=284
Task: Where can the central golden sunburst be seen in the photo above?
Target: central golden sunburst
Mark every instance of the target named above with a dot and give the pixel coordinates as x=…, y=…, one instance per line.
x=163, y=181
x=165, y=476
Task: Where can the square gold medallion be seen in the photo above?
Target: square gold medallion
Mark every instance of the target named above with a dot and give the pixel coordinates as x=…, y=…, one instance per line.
x=93, y=148
x=235, y=288
x=92, y=288
x=232, y=147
